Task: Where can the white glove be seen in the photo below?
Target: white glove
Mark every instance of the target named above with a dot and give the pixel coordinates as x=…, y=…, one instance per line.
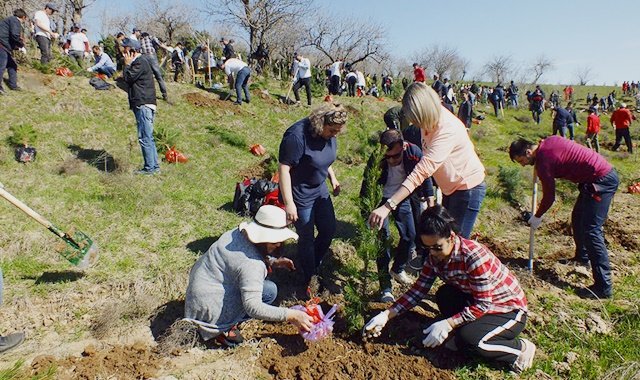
x=436, y=333
x=534, y=221
x=23, y=50
x=374, y=327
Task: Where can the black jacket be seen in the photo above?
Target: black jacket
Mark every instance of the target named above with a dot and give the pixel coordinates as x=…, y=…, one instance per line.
x=139, y=78
x=11, y=33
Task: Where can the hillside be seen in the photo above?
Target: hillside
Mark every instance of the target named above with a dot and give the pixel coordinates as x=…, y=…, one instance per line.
x=151, y=229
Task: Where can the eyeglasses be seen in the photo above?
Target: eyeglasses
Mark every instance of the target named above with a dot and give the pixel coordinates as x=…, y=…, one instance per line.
x=437, y=247
x=393, y=156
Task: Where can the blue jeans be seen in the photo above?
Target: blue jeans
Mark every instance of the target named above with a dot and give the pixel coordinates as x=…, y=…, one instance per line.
x=242, y=84
x=560, y=129
x=7, y=62
x=312, y=249
x=108, y=71
x=269, y=292
x=570, y=129
x=464, y=205
x=403, y=218
x=144, y=119
x=588, y=216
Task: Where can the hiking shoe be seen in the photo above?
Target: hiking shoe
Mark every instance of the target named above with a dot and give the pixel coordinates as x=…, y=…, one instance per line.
x=525, y=359
x=450, y=344
x=16, y=88
x=11, y=341
x=230, y=339
x=401, y=277
x=387, y=296
x=574, y=261
x=593, y=293
x=417, y=262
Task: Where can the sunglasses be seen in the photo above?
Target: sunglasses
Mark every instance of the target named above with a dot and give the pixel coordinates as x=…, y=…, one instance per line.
x=393, y=156
x=437, y=247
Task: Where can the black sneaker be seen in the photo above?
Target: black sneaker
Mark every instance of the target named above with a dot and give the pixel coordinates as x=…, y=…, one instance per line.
x=574, y=261
x=230, y=339
x=11, y=341
x=592, y=292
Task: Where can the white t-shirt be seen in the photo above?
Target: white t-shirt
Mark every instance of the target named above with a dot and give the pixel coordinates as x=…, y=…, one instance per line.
x=304, y=68
x=42, y=18
x=361, y=81
x=233, y=66
x=351, y=74
x=395, y=177
x=133, y=37
x=77, y=41
x=335, y=68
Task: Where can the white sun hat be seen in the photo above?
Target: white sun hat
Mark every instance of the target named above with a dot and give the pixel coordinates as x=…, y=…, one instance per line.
x=268, y=226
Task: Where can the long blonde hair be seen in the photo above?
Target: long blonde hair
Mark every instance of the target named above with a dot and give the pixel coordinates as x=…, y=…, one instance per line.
x=421, y=106
x=329, y=114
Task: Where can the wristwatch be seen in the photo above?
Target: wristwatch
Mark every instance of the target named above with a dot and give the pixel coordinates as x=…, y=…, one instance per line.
x=391, y=204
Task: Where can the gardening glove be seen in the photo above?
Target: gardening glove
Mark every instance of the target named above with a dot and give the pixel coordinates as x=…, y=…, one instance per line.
x=375, y=325
x=436, y=333
x=534, y=221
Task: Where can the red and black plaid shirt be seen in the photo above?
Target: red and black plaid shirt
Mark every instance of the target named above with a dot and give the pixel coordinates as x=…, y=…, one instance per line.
x=473, y=269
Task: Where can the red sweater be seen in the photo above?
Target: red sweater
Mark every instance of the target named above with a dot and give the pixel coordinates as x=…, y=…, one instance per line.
x=593, y=124
x=621, y=118
x=418, y=74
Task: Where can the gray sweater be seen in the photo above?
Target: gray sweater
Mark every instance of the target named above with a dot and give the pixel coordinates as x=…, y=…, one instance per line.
x=225, y=286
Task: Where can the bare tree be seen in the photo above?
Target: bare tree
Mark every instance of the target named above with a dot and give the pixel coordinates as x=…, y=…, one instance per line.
x=541, y=65
x=498, y=67
x=442, y=60
x=347, y=39
x=30, y=6
x=77, y=7
x=583, y=74
x=258, y=18
x=166, y=20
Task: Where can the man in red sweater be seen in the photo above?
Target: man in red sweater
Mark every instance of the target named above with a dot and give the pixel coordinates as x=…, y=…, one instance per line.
x=418, y=73
x=621, y=119
x=556, y=157
x=593, y=128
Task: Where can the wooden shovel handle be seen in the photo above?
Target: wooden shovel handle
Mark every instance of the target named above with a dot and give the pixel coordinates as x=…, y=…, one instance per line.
x=26, y=209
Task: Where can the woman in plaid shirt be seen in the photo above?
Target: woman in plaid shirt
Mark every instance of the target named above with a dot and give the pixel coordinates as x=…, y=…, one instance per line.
x=481, y=301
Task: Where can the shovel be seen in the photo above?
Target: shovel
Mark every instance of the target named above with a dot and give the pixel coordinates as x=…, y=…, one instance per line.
x=79, y=249
x=534, y=197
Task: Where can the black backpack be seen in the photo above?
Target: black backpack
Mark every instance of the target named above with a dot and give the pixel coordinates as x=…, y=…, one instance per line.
x=250, y=194
x=26, y=154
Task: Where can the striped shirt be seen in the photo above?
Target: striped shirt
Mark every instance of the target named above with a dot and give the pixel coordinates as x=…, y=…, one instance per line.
x=148, y=44
x=474, y=270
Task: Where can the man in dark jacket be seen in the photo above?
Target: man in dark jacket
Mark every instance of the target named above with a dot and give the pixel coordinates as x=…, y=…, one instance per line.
x=561, y=119
x=465, y=112
x=399, y=160
x=11, y=39
x=138, y=75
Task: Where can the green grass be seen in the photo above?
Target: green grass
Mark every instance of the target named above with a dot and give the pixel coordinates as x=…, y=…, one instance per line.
x=144, y=225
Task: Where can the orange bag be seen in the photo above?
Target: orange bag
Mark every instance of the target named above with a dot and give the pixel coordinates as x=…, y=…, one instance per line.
x=328, y=98
x=634, y=188
x=64, y=72
x=257, y=150
x=173, y=156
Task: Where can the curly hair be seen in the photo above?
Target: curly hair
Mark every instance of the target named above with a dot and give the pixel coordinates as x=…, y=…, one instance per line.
x=327, y=114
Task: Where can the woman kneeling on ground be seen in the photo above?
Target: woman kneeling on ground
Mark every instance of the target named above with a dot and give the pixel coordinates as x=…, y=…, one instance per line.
x=482, y=304
x=227, y=284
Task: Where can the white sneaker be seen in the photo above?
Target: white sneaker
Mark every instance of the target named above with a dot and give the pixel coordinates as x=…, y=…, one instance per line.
x=387, y=296
x=525, y=360
x=401, y=277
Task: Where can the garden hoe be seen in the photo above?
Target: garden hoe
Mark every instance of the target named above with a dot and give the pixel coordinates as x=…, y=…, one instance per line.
x=79, y=249
x=534, y=196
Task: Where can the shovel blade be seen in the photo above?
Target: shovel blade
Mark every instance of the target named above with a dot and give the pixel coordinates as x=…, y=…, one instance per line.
x=79, y=249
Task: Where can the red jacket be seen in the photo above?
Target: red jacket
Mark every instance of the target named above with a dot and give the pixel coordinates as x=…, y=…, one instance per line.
x=621, y=118
x=593, y=124
x=418, y=74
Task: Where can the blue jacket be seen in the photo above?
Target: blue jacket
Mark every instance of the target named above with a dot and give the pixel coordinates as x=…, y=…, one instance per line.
x=10, y=33
x=562, y=117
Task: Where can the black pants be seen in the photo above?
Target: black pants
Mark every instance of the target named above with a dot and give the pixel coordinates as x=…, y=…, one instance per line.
x=8, y=63
x=44, y=44
x=351, y=86
x=306, y=82
x=178, y=69
x=334, y=86
x=492, y=336
x=620, y=134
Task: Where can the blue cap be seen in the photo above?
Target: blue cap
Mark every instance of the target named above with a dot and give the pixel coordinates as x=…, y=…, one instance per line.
x=131, y=43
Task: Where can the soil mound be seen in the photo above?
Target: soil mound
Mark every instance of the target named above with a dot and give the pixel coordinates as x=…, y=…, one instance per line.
x=137, y=361
x=200, y=100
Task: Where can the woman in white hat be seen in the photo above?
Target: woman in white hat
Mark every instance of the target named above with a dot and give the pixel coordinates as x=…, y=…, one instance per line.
x=227, y=284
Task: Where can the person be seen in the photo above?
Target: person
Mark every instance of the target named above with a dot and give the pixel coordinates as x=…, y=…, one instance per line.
x=334, y=77
x=394, y=119
x=302, y=77
x=572, y=121
x=593, y=128
x=621, y=119
x=418, y=73
x=497, y=99
x=119, y=49
x=149, y=44
x=555, y=157
x=386, y=84
x=513, y=94
x=399, y=160
x=360, y=84
x=228, y=285
x=43, y=31
x=103, y=63
x=307, y=152
x=12, y=340
x=138, y=75
x=228, y=51
x=448, y=156
x=589, y=98
x=177, y=60
x=351, y=78
x=78, y=44
x=465, y=112
x=482, y=304
x=135, y=34
x=561, y=118
x=240, y=70
x=10, y=40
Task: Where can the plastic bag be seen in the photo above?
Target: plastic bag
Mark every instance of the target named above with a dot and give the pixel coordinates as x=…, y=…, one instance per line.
x=634, y=188
x=173, y=156
x=64, y=72
x=257, y=150
x=322, y=323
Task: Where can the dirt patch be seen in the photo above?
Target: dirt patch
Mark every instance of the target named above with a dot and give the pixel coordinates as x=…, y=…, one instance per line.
x=263, y=169
x=137, y=361
x=614, y=231
x=353, y=111
x=285, y=355
x=558, y=227
x=500, y=249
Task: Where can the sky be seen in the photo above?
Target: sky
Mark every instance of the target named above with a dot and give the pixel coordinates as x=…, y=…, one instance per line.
x=599, y=34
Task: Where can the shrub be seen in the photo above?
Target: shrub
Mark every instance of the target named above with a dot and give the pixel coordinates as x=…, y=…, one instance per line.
x=510, y=181
x=23, y=134
x=165, y=138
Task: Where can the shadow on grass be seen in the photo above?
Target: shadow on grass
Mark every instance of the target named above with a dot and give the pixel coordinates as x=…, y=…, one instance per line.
x=99, y=159
x=58, y=277
x=201, y=246
x=164, y=316
x=345, y=230
x=227, y=207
